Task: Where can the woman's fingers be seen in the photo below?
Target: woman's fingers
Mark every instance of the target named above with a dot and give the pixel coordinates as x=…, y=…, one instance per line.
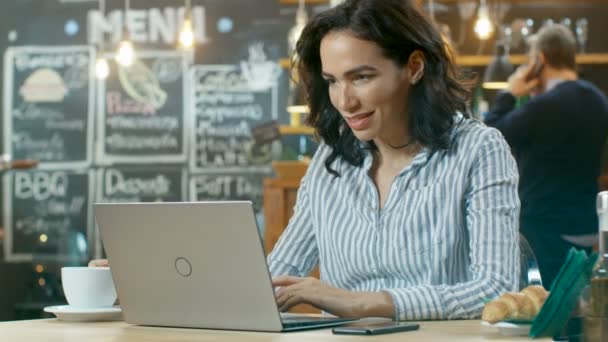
x=290, y=297
x=290, y=302
x=99, y=263
x=286, y=280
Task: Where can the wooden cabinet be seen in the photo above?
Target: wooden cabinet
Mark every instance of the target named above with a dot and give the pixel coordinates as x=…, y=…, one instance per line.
x=279, y=198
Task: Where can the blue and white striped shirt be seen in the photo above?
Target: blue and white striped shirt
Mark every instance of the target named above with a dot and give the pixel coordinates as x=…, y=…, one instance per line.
x=445, y=241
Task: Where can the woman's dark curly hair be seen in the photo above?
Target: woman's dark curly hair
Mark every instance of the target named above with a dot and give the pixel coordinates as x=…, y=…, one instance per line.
x=399, y=28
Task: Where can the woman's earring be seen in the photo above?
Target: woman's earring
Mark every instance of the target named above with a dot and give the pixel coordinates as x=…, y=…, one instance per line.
x=416, y=78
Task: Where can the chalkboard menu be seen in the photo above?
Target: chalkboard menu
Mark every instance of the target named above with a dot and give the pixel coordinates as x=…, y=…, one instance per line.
x=228, y=101
x=138, y=183
x=218, y=186
x=141, y=184
x=48, y=105
x=142, y=110
x=47, y=215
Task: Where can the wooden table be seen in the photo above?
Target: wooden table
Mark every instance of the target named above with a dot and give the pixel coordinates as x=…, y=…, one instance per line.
x=52, y=330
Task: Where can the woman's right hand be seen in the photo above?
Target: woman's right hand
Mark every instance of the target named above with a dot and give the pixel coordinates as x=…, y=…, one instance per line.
x=102, y=263
x=99, y=263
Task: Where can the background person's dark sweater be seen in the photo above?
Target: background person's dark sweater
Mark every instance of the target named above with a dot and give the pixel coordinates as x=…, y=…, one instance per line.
x=557, y=138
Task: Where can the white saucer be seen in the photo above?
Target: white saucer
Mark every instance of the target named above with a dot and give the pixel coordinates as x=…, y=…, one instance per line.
x=509, y=329
x=72, y=314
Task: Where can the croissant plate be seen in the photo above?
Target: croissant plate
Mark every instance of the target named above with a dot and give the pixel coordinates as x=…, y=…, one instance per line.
x=524, y=305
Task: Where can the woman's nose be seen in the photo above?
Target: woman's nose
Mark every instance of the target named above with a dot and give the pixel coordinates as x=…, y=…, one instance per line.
x=348, y=101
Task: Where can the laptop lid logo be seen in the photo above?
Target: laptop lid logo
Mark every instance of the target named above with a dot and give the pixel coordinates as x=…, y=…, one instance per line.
x=183, y=267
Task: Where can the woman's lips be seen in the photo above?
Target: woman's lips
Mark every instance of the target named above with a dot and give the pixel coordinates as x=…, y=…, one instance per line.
x=360, y=121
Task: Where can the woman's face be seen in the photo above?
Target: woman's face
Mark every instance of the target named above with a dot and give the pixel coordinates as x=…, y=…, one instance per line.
x=369, y=90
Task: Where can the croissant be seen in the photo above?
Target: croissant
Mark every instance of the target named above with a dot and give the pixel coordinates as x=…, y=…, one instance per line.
x=524, y=305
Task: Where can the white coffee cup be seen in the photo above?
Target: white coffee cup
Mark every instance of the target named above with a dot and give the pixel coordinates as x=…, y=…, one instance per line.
x=88, y=287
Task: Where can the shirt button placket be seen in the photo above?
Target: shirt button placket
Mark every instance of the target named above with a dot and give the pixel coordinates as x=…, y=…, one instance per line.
x=378, y=242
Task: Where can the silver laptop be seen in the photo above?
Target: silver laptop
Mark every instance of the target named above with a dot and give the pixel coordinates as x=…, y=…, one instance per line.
x=196, y=265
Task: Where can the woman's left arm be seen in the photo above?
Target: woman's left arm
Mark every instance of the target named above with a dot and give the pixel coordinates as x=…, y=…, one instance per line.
x=491, y=206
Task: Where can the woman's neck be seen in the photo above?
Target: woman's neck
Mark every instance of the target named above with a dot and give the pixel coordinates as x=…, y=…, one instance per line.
x=395, y=157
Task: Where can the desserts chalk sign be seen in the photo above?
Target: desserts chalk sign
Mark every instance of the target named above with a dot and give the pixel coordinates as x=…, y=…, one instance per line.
x=139, y=183
x=48, y=105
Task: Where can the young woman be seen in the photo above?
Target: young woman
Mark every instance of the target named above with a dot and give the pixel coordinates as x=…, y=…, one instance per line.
x=409, y=207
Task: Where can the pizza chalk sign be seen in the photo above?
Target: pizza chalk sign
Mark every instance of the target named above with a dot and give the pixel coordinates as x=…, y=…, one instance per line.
x=142, y=110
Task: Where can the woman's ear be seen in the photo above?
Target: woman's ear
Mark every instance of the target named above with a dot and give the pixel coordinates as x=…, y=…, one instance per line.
x=415, y=66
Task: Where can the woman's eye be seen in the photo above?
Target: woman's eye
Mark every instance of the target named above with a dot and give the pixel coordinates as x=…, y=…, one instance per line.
x=362, y=78
x=330, y=81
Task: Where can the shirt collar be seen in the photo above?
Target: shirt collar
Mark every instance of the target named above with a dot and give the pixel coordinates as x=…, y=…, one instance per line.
x=552, y=83
x=420, y=158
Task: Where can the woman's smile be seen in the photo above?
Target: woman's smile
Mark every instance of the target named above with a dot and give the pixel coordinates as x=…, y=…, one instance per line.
x=359, y=122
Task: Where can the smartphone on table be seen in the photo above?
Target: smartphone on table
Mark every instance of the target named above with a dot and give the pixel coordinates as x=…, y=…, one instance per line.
x=376, y=328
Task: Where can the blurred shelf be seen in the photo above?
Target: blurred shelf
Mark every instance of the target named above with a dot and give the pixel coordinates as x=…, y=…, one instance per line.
x=482, y=60
x=290, y=130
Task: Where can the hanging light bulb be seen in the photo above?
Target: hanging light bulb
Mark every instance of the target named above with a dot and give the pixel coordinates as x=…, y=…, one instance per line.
x=296, y=30
x=102, y=69
x=483, y=25
x=186, y=35
x=126, y=53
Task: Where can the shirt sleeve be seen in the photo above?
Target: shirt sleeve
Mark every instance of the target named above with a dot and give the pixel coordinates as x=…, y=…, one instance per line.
x=491, y=206
x=296, y=253
x=516, y=125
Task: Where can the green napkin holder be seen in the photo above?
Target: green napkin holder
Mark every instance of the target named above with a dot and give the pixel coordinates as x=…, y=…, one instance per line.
x=572, y=278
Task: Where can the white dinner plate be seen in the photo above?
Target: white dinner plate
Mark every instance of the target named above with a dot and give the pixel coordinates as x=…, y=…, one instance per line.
x=509, y=329
x=72, y=314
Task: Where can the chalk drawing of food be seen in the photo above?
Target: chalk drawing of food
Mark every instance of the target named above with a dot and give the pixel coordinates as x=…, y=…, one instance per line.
x=140, y=83
x=43, y=85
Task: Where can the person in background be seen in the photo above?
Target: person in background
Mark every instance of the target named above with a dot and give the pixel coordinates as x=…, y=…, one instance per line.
x=557, y=138
x=408, y=206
